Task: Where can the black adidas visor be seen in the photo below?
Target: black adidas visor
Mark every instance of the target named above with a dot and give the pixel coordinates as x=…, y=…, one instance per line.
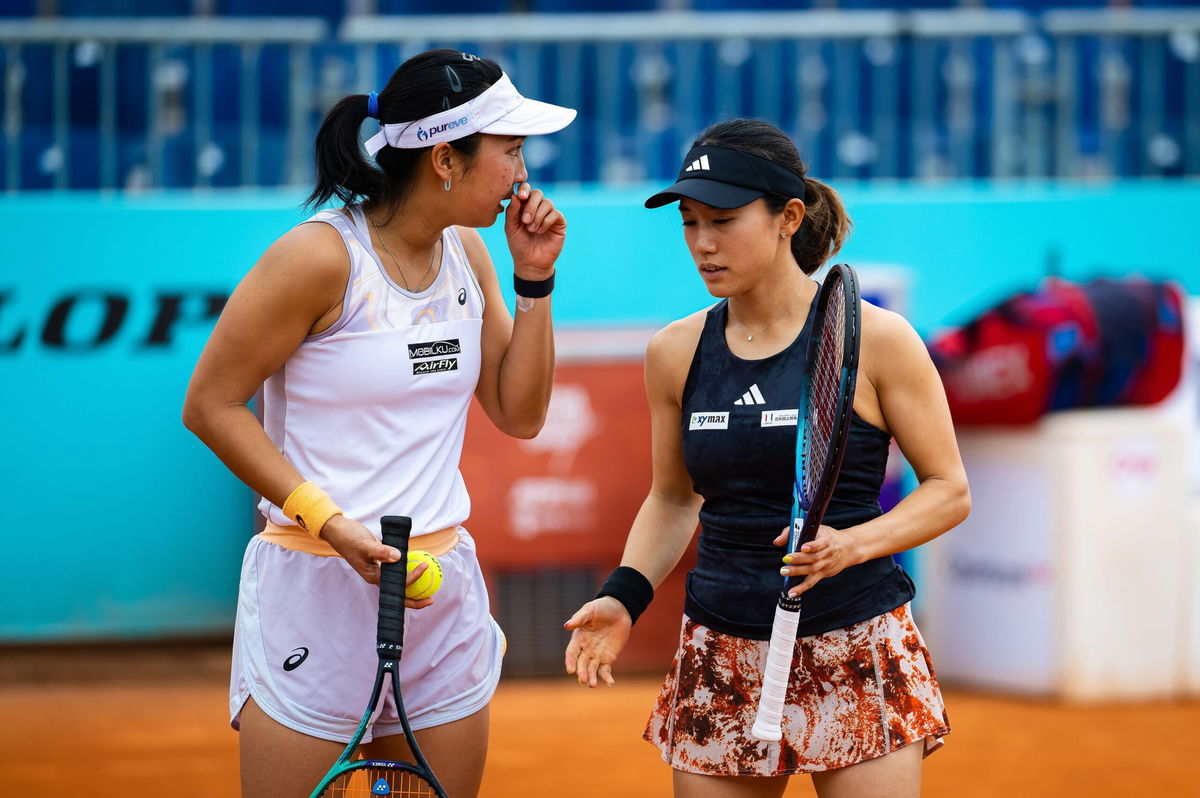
x=725, y=178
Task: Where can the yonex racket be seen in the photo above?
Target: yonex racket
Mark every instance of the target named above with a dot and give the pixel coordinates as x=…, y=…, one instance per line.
x=826, y=402
x=366, y=778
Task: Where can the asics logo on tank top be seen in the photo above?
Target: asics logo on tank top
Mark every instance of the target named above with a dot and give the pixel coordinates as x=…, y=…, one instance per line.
x=698, y=165
x=462, y=296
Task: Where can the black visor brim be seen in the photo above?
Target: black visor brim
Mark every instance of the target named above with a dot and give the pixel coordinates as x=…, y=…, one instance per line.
x=710, y=192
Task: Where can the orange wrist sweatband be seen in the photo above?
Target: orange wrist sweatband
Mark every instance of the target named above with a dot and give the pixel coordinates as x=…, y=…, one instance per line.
x=310, y=507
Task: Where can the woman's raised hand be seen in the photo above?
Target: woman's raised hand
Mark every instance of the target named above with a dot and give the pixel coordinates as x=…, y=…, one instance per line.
x=535, y=230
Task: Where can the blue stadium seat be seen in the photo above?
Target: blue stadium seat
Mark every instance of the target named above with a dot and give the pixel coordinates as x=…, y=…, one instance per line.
x=124, y=8
x=441, y=7
x=752, y=5
x=803, y=5
x=899, y=5
x=577, y=6
x=1036, y=6
x=18, y=8
x=331, y=10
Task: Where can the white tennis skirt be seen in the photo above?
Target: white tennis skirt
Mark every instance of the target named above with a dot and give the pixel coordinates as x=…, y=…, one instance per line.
x=304, y=644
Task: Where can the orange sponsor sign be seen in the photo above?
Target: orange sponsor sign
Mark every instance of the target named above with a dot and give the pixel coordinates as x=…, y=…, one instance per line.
x=564, y=501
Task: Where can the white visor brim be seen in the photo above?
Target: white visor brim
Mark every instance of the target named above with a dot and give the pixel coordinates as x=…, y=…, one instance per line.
x=500, y=110
x=531, y=118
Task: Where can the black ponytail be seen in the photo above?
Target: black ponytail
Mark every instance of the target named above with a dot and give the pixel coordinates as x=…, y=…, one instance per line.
x=824, y=228
x=825, y=224
x=423, y=85
x=342, y=167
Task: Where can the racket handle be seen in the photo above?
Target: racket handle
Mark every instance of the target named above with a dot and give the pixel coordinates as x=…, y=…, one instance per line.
x=768, y=725
x=392, y=578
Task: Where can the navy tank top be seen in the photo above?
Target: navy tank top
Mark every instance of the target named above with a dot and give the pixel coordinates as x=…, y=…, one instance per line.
x=739, y=446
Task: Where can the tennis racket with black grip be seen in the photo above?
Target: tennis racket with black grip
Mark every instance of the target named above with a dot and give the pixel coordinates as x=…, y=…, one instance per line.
x=826, y=403
x=369, y=778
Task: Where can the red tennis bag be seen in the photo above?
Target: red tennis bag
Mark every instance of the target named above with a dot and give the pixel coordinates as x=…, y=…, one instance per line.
x=1066, y=345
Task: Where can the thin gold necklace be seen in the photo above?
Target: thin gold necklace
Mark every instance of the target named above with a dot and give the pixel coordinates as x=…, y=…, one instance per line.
x=400, y=271
x=750, y=335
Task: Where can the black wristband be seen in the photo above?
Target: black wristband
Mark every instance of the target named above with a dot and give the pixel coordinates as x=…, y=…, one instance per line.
x=631, y=588
x=533, y=289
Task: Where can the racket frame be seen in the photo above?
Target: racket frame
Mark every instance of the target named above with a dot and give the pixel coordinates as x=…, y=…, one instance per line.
x=806, y=520
x=389, y=646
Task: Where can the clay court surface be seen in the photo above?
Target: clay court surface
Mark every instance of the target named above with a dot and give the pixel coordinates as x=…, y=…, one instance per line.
x=153, y=722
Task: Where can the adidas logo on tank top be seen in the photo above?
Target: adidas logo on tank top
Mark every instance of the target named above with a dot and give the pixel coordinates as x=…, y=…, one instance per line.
x=752, y=397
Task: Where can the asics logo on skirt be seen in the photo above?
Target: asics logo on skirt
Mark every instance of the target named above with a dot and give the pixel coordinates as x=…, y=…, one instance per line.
x=294, y=661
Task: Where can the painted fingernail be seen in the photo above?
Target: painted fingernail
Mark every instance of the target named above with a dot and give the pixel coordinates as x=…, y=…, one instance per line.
x=527, y=217
x=783, y=572
x=787, y=558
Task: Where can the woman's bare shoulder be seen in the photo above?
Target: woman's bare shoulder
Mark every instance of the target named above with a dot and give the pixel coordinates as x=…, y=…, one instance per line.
x=669, y=356
x=891, y=348
x=310, y=252
x=886, y=330
x=677, y=339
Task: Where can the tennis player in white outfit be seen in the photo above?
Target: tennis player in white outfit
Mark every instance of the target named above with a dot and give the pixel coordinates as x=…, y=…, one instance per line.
x=369, y=328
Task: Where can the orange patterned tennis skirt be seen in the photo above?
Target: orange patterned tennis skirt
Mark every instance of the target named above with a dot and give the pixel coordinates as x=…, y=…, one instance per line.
x=855, y=694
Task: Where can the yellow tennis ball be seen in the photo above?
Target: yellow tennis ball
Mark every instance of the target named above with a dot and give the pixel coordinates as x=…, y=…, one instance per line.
x=427, y=583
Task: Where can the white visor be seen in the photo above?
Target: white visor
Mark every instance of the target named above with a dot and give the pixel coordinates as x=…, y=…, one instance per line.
x=501, y=110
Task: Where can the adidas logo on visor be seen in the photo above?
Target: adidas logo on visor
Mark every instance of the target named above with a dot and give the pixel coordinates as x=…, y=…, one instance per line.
x=752, y=397
x=699, y=164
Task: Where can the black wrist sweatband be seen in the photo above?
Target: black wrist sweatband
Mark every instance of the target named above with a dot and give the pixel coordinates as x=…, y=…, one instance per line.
x=630, y=587
x=533, y=289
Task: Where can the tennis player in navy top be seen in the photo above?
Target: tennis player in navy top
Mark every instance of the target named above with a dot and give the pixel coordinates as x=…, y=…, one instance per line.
x=863, y=706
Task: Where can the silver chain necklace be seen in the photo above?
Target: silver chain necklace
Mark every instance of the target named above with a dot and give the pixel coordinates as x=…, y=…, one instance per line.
x=400, y=271
x=750, y=335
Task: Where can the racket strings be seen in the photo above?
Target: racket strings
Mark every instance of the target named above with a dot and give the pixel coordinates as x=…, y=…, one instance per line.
x=824, y=394
x=371, y=782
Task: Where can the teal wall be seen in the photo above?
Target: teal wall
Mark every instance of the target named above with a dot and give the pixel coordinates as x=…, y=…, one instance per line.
x=120, y=524
x=966, y=245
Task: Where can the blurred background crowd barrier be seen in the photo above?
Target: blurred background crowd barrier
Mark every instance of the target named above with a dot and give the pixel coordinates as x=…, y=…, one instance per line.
x=152, y=150
x=869, y=89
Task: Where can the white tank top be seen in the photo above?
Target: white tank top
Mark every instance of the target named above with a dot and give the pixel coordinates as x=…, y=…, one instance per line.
x=373, y=410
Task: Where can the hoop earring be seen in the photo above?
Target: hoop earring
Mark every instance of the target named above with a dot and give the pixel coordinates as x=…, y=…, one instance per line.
x=446, y=185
